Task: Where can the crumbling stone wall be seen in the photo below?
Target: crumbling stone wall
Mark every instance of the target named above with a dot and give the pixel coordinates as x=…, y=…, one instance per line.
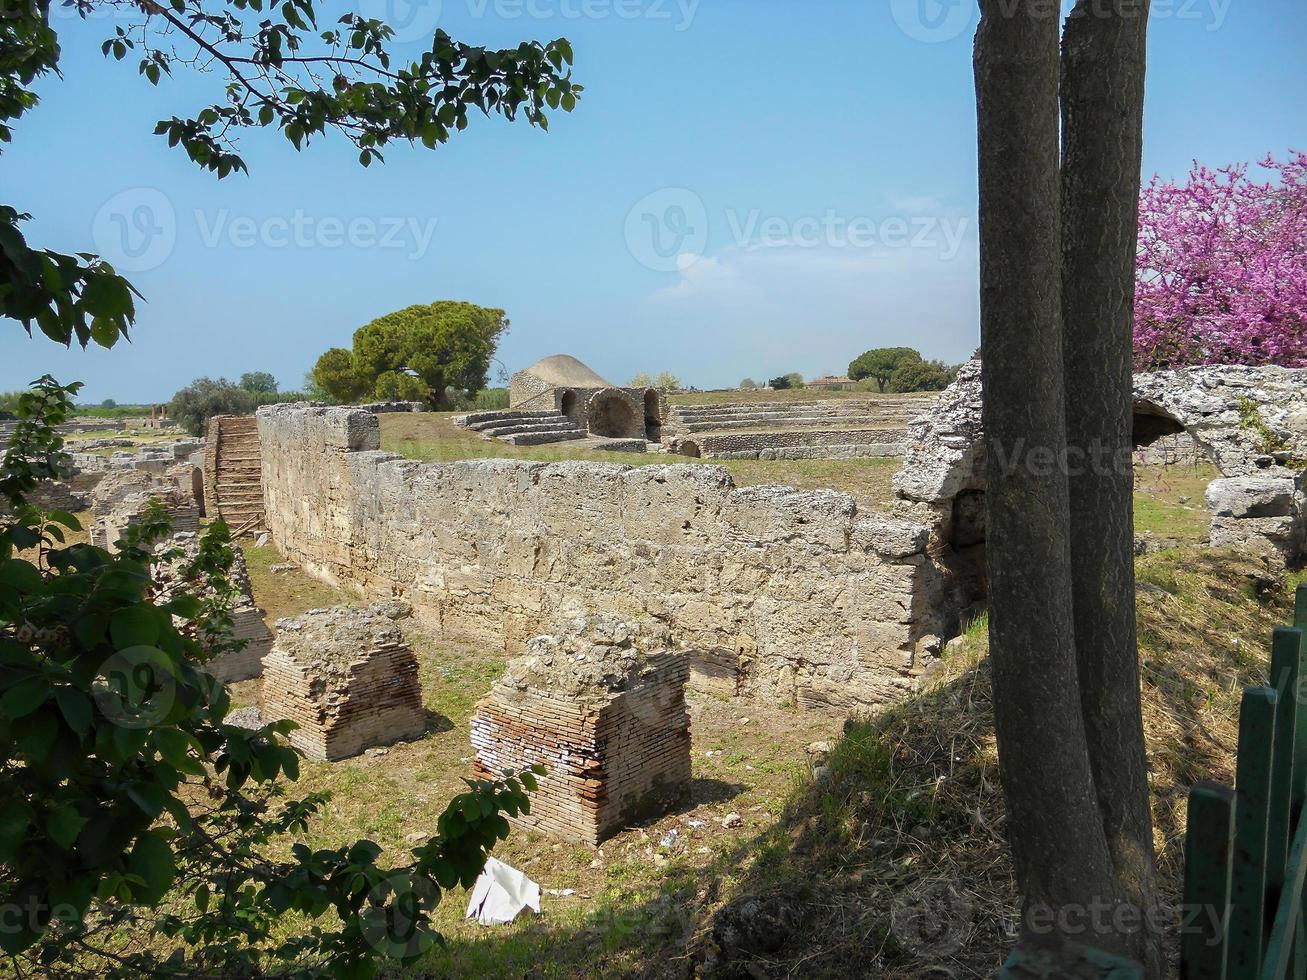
x=1251, y=422
x=120, y=499
x=802, y=444
x=347, y=678
x=602, y=709
x=247, y=622
x=786, y=595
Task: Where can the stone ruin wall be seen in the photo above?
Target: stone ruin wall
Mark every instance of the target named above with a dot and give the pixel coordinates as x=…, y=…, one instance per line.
x=347, y=678
x=247, y=622
x=800, y=444
x=787, y=595
x=602, y=711
x=1198, y=414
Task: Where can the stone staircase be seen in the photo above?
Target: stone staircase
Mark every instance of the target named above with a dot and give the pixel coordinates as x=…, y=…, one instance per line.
x=834, y=428
x=521, y=428
x=761, y=416
x=233, y=472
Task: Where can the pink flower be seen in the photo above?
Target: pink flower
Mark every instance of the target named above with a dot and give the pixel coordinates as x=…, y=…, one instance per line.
x=1222, y=268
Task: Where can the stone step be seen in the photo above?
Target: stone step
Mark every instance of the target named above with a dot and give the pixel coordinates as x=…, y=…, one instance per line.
x=542, y=425
x=747, y=425
x=480, y=420
x=543, y=438
x=899, y=408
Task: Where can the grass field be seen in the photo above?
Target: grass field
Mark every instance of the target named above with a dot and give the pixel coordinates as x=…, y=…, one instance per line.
x=785, y=395
x=912, y=801
x=1168, y=500
x=434, y=437
x=747, y=759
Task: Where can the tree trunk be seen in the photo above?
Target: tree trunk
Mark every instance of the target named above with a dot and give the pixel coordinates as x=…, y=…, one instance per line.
x=1057, y=839
x=1103, y=62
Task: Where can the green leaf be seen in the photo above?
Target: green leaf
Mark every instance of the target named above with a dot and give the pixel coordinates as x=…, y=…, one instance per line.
x=149, y=797
x=15, y=818
x=76, y=708
x=36, y=735
x=134, y=626
x=20, y=575
x=24, y=697
x=152, y=860
x=64, y=824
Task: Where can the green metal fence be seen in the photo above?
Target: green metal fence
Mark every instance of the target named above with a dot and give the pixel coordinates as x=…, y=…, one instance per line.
x=1246, y=849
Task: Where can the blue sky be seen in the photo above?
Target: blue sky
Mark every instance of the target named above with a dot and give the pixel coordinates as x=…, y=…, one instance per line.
x=748, y=187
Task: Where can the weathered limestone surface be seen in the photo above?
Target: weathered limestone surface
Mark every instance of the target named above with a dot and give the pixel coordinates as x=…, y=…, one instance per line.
x=601, y=707
x=247, y=623
x=1209, y=403
x=1250, y=421
x=347, y=678
x=120, y=499
x=787, y=595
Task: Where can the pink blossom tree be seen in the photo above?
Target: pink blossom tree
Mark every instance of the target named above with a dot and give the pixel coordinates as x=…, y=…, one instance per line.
x=1222, y=268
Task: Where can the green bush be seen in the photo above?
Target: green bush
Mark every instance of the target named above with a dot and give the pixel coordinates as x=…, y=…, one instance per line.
x=492, y=399
x=921, y=376
x=437, y=352
x=141, y=835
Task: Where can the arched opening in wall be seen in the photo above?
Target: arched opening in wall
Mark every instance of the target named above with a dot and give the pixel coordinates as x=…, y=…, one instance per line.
x=612, y=416
x=197, y=488
x=1160, y=439
x=689, y=448
x=1152, y=422
x=568, y=405
x=653, y=423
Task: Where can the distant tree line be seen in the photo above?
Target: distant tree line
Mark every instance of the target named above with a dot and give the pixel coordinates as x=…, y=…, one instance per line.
x=901, y=369
x=663, y=379
x=203, y=398
x=883, y=369
x=439, y=353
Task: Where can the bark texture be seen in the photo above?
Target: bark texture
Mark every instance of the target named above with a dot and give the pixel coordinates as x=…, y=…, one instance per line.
x=1058, y=843
x=1103, y=64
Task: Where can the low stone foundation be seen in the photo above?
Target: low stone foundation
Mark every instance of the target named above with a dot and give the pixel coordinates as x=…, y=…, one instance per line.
x=605, y=719
x=346, y=678
x=787, y=595
x=121, y=498
x=248, y=624
x=804, y=444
